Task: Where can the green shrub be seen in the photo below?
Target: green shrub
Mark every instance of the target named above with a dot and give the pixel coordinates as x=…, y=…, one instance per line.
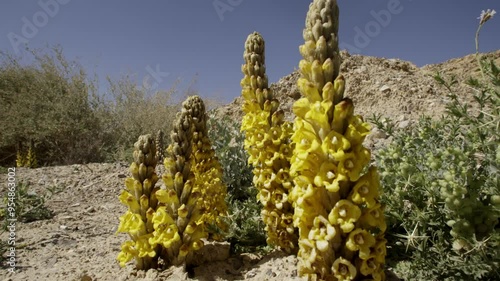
x=29, y=206
x=53, y=102
x=228, y=142
x=50, y=102
x=442, y=191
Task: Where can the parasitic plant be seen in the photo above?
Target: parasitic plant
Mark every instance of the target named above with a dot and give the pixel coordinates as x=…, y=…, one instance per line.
x=340, y=221
x=267, y=141
x=207, y=169
x=26, y=158
x=170, y=223
x=140, y=198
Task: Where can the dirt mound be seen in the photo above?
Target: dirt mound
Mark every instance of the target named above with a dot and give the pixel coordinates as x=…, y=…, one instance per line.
x=393, y=88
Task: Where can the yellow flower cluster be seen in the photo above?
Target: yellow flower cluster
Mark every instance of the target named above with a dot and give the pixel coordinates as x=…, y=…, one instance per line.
x=267, y=141
x=180, y=212
x=171, y=222
x=139, y=196
x=207, y=170
x=341, y=224
x=26, y=158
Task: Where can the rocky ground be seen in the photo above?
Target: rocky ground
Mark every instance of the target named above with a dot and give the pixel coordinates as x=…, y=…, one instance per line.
x=79, y=242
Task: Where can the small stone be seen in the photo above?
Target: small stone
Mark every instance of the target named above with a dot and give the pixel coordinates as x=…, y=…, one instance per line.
x=376, y=133
x=63, y=227
x=85, y=277
x=271, y=273
x=251, y=274
x=403, y=124
x=385, y=89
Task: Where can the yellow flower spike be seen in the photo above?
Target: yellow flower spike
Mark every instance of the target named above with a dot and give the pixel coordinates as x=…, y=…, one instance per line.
x=344, y=214
x=267, y=141
x=343, y=270
x=366, y=189
x=362, y=240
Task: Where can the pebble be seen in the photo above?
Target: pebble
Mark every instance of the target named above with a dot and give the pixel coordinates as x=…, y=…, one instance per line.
x=403, y=124
x=385, y=89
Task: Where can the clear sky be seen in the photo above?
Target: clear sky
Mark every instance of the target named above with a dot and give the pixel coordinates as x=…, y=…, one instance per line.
x=159, y=41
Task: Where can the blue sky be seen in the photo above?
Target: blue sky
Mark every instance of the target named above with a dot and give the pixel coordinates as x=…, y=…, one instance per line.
x=157, y=42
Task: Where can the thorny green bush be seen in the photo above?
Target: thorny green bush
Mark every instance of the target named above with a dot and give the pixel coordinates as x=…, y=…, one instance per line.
x=246, y=229
x=228, y=144
x=442, y=191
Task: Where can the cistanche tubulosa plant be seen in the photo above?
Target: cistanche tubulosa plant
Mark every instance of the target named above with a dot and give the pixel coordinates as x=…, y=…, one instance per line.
x=267, y=141
x=170, y=223
x=335, y=195
x=140, y=198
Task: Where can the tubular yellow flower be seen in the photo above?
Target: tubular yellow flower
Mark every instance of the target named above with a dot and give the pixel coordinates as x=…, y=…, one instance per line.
x=344, y=214
x=360, y=240
x=379, y=250
x=368, y=266
x=374, y=217
x=127, y=253
x=366, y=189
x=131, y=223
x=343, y=269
